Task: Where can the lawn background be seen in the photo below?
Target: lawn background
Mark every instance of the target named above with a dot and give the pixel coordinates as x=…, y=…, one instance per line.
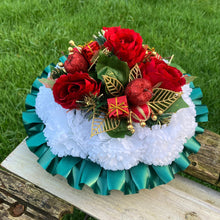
x=33, y=33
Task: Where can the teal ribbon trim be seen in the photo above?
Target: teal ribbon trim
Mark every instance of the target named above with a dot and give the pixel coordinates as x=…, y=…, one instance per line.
x=66, y=164
x=116, y=180
x=199, y=130
x=80, y=172
x=63, y=59
x=141, y=176
x=192, y=145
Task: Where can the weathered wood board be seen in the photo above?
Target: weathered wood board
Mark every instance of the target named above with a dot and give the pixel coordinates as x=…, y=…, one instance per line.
x=205, y=165
x=20, y=199
x=180, y=199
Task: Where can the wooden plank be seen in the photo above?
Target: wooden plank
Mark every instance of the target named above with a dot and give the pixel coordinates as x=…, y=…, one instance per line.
x=20, y=199
x=180, y=199
x=205, y=165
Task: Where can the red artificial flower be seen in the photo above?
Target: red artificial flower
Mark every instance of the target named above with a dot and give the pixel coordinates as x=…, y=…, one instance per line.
x=126, y=44
x=76, y=62
x=158, y=71
x=72, y=87
x=89, y=50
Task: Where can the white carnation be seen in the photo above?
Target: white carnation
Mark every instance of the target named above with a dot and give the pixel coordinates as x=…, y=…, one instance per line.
x=68, y=133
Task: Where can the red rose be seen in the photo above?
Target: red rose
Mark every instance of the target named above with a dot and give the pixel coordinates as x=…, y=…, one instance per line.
x=72, y=87
x=76, y=62
x=89, y=50
x=158, y=71
x=125, y=44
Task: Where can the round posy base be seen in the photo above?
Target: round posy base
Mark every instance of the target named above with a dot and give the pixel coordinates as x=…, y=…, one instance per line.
x=80, y=171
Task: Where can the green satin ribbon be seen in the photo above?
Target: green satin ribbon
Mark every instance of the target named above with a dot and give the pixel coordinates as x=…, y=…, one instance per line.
x=79, y=172
x=46, y=159
x=66, y=164
x=199, y=130
x=164, y=172
x=201, y=110
x=41, y=150
x=116, y=179
x=30, y=101
x=141, y=176
x=192, y=145
x=90, y=174
x=201, y=113
x=32, y=123
x=63, y=59
x=34, y=141
x=196, y=94
x=74, y=177
x=102, y=186
x=182, y=162
x=130, y=187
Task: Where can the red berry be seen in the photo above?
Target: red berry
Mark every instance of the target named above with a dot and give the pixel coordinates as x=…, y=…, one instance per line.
x=139, y=91
x=76, y=63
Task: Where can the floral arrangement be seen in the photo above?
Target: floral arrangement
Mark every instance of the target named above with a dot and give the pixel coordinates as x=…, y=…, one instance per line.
x=114, y=114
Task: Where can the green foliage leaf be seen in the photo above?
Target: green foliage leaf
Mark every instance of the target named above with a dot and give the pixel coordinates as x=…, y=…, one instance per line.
x=161, y=119
x=120, y=131
x=113, y=67
x=47, y=82
x=93, y=74
x=189, y=78
x=100, y=39
x=180, y=103
x=178, y=67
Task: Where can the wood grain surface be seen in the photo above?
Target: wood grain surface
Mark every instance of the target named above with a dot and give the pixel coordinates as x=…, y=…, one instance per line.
x=20, y=199
x=205, y=165
x=179, y=199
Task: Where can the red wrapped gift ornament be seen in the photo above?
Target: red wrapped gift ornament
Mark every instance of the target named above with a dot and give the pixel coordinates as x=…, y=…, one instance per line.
x=118, y=107
x=89, y=50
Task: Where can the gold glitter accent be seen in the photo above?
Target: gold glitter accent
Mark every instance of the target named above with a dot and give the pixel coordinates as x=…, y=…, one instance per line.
x=135, y=73
x=103, y=123
x=162, y=100
x=114, y=86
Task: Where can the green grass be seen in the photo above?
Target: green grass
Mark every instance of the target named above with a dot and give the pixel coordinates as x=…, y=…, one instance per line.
x=34, y=32
x=77, y=215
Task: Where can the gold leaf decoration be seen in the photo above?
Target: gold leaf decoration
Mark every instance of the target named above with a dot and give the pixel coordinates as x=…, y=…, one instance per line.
x=135, y=73
x=171, y=58
x=157, y=85
x=106, y=51
x=94, y=60
x=114, y=86
x=166, y=120
x=162, y=99
x=102, y=123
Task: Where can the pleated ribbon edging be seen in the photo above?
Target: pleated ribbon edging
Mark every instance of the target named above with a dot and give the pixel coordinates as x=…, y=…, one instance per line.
x=79, y=172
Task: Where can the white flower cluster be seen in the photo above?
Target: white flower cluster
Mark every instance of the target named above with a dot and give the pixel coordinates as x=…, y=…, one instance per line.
x=68, y=133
